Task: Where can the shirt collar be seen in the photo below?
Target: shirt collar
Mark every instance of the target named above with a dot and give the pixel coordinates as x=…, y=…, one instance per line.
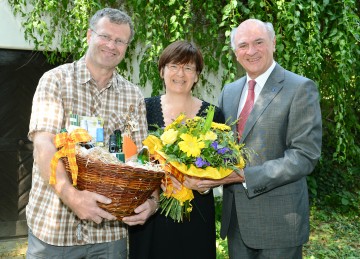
x=84, y=74
x=261, y=80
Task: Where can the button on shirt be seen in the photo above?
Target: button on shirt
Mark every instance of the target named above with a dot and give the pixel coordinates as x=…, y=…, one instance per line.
x=70, y=88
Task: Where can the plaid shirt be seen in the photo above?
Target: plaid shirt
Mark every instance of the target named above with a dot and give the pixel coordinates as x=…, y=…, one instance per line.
x=70, y=89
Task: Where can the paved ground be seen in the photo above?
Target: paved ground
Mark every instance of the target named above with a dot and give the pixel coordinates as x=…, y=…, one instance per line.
x=13, y=248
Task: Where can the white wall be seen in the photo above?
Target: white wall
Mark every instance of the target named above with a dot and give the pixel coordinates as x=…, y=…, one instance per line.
x=11, y=33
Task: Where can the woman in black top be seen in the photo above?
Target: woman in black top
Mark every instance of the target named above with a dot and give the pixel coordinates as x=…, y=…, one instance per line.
x=161, y=237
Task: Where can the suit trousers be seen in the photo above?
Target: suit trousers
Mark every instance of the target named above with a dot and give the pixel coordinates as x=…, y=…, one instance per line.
x=239, y=250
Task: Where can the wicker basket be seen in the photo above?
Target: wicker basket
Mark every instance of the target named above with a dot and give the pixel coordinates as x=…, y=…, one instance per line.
x=127, y=187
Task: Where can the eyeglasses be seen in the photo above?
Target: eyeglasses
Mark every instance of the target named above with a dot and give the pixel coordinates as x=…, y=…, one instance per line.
x=107, y=39
x=186, y=68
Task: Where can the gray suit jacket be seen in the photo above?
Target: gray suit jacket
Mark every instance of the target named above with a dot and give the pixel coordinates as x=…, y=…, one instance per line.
x=284, y=132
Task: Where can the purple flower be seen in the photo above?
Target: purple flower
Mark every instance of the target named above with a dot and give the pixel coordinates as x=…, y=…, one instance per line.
x=223, y=150
x=214, y=145
x=201, y=162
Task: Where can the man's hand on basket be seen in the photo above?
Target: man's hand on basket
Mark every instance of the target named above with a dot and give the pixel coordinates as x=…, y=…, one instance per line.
x=144, y=211
x=84, y=205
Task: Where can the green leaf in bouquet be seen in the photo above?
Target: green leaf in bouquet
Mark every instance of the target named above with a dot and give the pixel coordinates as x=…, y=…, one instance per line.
x=209, y=119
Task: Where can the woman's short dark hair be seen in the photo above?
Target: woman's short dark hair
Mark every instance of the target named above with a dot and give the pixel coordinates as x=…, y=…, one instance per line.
x=181, y=52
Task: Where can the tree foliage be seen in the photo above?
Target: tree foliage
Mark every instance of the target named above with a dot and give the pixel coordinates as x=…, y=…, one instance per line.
x=317, y=39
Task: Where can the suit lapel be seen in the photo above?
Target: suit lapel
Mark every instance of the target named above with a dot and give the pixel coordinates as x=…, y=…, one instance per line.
x=272, y=87
x=234, y=96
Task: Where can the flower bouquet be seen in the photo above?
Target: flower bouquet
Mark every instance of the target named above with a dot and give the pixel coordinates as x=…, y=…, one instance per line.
x=196, y=147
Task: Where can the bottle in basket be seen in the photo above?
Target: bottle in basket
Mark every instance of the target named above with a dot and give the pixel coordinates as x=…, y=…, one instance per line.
x=112, y=144
x=117, y=133
x=144, y=155
x=115, y=145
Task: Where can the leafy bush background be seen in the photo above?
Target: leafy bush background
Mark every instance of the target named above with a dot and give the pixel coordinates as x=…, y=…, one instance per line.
x=317, y=39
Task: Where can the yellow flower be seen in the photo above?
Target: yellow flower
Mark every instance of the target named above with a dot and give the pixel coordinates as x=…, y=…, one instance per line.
x=153, y=143
x=192, y=123
x=241, y=163
x=178, y=120
x=183, y=195
x=209, y=136
x=169, y=136
x=191, y=145
x=220, y=126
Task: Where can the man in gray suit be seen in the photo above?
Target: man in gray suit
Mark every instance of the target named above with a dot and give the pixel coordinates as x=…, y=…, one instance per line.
x=265, y=206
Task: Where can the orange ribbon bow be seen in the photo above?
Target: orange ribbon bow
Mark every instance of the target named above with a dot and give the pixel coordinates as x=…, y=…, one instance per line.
x=66, y=142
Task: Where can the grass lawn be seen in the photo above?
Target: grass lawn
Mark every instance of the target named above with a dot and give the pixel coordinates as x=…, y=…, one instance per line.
x=332, y=236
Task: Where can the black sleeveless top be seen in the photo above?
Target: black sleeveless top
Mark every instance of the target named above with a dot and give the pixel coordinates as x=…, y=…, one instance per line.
x=162, y=238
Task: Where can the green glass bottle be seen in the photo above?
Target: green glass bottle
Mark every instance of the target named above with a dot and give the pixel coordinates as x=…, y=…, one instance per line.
x=143, y=156
x=117, y=133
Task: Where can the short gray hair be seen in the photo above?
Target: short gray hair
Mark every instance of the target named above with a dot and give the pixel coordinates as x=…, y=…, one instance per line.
x=268, y=25
x=232, y=36
x=115, y=16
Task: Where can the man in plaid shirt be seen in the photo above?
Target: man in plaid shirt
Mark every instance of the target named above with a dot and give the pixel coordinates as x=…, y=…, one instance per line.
x=63, y=221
